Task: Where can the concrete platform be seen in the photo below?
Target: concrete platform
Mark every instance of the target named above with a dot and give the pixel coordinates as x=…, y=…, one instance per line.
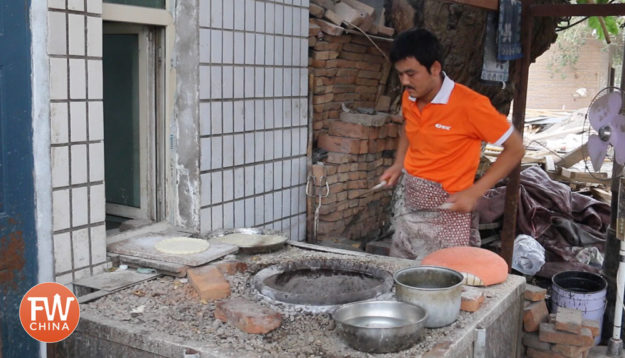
x=493, y=331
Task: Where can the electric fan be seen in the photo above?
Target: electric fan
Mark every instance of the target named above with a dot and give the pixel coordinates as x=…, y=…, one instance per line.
x=604, y=115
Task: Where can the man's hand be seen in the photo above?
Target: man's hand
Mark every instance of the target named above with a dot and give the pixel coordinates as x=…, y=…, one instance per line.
x=464, y=201
x=392, y=174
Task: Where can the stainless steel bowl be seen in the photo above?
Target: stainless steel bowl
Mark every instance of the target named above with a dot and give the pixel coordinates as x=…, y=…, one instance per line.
x=437, y=289
x=380, y=326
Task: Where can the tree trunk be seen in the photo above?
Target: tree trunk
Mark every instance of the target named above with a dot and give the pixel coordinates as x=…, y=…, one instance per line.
x=461, y=30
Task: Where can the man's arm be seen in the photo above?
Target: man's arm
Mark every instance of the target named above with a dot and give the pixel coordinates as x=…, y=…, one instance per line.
x=392, y=174
x=508, y=159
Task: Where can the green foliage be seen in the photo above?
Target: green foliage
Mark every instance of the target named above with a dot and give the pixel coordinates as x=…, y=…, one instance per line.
x=611, y=22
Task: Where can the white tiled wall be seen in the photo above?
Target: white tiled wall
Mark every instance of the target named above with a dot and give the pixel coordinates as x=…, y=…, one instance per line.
x=75, y=53
x=253, y=114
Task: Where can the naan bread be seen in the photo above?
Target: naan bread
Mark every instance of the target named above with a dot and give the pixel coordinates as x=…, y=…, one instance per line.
x=181, y=246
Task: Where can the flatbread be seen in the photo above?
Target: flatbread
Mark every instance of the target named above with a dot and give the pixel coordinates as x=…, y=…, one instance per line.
x=181, y=246
x=250, y=240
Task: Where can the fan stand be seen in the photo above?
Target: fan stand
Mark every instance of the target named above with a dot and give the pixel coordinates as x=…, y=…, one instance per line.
x=617, y=230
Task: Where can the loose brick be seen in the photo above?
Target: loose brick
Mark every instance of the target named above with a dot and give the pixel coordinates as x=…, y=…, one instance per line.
x=328, y=27
x=316, y=10
x=536, y=353
x=248, y=316
x=548, y=333
x=570, y=351
x=472, y=299
x=209, y=282
x=534, y=293
x=533, y=315
x=593, y=326
x=339, y=144
x=531, y=340
x=231, y=267
x=569, y=320
x=313, y=29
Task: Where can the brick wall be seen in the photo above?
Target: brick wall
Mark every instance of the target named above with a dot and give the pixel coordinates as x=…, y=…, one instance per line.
x=549, y=90
x=345, y=69
x=348, y=69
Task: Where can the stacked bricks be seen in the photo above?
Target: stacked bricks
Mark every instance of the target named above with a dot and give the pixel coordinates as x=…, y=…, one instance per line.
x=345, y=69
x=564, y=334
x=360, y=147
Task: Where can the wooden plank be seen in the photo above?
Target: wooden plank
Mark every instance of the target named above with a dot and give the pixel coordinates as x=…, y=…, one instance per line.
x=562, y=10
x=483, y=4
x=549, y=164
x=573, y=156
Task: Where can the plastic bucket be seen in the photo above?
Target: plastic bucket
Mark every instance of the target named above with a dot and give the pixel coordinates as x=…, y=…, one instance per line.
x=584, y=291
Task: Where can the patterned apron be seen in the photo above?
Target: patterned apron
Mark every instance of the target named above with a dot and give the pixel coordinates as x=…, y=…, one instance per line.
x=421, y=228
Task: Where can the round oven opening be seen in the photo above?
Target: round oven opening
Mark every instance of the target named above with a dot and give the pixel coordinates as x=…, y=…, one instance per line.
x=322, y=282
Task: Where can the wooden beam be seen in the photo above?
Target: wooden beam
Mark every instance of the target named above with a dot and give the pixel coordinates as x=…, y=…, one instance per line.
x=483, y=4
x=561, y=10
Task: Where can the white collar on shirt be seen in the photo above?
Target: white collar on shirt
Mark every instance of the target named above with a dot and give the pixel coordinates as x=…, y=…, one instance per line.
x=442, y=97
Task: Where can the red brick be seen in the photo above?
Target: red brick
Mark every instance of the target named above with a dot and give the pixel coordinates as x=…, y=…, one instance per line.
x=313, y=29
x=472, y=299
x=570, y=351
x=531, y=340
x=337, y=188
x=548, y=333
x=533, y=315
x=569, y=320
x=231, y=267
x=328, y=27
x=340, y=144
x=369, y=74
x=325, y=55
x=323, y=99
x=367, y=66
x=536, y=353
x=593, y=326
x=357, y=184
x=534, y=293
x=352, y=47
x=346, y=129
x=328, y=46
x=248, y=316
x=340, y=158
x=209, y=282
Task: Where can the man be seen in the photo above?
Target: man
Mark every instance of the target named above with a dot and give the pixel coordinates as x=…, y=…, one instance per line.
x=439, y=150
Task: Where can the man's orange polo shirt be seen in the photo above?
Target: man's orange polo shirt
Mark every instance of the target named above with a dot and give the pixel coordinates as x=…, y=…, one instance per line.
x=445, y=138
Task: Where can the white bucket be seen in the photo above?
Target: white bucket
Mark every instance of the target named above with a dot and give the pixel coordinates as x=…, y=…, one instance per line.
x=584, y=291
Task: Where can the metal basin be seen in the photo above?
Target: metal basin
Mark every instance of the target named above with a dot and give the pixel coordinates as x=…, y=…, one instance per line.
x=437, y=289
x=380, y=326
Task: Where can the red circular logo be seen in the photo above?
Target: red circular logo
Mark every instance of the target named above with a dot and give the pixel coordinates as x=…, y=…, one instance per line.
x=49, y=312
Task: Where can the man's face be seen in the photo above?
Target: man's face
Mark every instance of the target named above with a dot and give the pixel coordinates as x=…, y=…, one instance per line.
x=416, y=79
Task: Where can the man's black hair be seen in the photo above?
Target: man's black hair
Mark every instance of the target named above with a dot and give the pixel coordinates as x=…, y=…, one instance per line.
x=418, y=43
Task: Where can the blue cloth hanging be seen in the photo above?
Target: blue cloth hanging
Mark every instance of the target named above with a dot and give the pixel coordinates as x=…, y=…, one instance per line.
x=509, y=31
x=493, y=69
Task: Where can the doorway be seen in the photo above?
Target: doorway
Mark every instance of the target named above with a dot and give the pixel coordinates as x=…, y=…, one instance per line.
x=133, y=122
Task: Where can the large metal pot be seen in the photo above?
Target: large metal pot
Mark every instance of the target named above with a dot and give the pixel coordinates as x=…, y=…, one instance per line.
x=380, y=326
x=437, y=289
